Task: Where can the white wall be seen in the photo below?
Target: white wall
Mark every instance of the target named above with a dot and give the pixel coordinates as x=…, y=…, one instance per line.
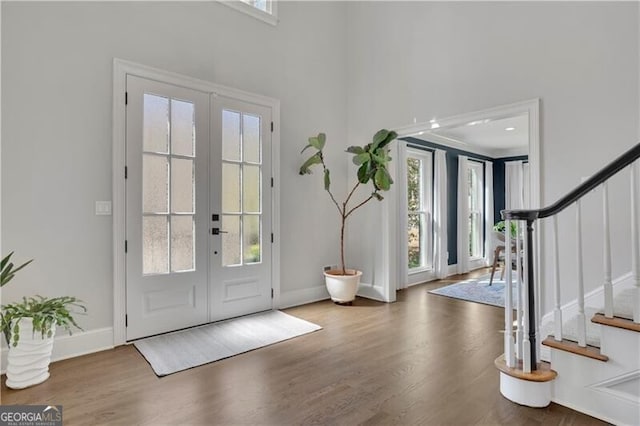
x=56, y=106
x=437, y=59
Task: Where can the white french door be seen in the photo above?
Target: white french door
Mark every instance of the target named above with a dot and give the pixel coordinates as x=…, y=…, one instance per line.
x=241, y=206
x=197, y=208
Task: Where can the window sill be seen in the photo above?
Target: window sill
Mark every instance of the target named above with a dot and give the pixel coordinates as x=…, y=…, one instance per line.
x=419, y=270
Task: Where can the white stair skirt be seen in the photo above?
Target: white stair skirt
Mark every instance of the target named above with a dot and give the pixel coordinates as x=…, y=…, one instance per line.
x=607, y=390
x=525, y=392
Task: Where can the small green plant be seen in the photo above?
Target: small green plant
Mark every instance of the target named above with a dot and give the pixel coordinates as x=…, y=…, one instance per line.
x=7, y=271
x=500, y=227
x=371, y=159
x=45, y=313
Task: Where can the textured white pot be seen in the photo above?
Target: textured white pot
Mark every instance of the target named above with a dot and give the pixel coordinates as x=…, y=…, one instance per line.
x=28, y=363
x=342, y=288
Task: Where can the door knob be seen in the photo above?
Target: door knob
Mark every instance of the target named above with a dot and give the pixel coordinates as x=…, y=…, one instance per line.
x=217, y=231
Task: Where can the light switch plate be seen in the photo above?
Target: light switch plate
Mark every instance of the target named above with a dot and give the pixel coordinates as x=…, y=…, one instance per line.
x=103, y=208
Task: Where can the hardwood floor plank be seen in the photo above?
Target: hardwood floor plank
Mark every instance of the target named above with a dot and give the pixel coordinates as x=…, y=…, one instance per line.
x=424, y=360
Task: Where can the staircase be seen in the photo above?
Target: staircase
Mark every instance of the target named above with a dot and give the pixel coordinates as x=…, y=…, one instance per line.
x=590, y=361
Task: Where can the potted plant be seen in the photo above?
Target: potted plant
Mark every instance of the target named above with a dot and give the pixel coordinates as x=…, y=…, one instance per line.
x=371, y=160
x=29, y=328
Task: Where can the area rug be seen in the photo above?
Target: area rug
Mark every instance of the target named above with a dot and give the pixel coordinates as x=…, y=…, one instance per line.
x=476, y=290
x=177, y=351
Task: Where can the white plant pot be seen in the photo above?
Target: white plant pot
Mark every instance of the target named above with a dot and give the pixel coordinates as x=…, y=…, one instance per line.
x=28, y=362
x=342, y=288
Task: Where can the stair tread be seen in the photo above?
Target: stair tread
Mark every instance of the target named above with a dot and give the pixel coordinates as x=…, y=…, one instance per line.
x=543, y=372
x=616, y=321
x=571, y=346
x=570, y=328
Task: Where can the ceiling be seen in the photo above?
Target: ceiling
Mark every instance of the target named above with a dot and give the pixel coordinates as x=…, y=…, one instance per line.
x=491, y=136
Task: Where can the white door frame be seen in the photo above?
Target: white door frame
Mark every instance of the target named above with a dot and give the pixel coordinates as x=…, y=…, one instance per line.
x=121, y=69
x=391, y=236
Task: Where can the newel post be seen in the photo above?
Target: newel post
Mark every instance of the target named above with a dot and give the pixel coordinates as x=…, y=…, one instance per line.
x=531, y=296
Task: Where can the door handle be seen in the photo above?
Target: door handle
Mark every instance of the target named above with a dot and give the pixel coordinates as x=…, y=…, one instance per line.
x=217, y=231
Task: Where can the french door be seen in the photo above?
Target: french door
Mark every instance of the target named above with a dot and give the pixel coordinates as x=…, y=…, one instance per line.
x=196, y=221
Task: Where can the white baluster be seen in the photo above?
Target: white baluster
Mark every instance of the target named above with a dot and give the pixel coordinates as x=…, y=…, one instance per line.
x=635, y=238
x=508, y=297
x=608, y=287
x=519, y=289
x=557, y=313
x=582, y=321
x=526, y=344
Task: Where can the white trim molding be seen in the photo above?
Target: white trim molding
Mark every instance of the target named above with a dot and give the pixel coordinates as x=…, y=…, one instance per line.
x=303, y=296
x=70, y=346
x=529, y=107
x=121, y=69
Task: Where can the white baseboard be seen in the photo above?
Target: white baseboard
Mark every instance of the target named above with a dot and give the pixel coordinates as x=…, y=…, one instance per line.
x=452, y=270
x=586, y=410
x=594, y=298
x=77, y=344
x=303, y=296
x=371, y=291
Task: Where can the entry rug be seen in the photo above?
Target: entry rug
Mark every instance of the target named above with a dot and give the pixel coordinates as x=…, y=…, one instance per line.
x=477, y=290
x=180, y=350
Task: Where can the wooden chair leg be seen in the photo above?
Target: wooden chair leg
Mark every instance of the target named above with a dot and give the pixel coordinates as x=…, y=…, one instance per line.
x=496, y=255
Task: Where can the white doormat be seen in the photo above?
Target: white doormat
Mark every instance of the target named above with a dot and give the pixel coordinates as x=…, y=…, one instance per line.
x=180, y=350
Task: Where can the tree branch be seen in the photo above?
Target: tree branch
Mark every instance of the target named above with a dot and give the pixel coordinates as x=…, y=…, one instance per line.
x=350, y=194
x=359, y=205
x=324, y=168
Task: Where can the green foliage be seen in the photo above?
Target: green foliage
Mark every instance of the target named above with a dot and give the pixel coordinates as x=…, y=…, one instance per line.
x=45, y=313
x=371, y=159
x=500, y=227
x=7, y=271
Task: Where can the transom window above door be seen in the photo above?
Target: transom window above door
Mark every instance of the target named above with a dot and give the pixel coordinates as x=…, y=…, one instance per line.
x=264, y=10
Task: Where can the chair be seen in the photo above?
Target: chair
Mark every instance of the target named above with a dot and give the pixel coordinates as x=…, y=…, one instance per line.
x=499, y=244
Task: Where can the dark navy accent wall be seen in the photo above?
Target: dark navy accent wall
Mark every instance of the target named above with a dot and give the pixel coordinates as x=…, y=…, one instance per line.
x=452, y=186
x=499, y=184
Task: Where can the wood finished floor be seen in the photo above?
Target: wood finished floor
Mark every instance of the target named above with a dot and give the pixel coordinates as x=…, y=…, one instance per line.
x=424, y=360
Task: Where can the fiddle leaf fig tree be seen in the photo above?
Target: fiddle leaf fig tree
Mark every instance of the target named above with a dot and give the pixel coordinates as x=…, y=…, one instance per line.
x=371, y=160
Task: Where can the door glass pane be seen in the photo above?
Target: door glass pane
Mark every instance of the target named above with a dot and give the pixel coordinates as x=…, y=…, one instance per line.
x=251, y=138
x=251, y=239
x=182, y=186
x=182, y=242
x=155, y=245
x=230, y=188
x=155, y=184
x=251, y=189
x=231, y=240
x=155, y=124
x=182, y=128
x=414, y=234
x=230, y=135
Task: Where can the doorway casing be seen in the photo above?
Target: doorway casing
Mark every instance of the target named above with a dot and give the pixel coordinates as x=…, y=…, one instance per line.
x=391, y=210
x=121, y=69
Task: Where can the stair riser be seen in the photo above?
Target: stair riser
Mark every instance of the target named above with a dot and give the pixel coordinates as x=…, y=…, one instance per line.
x=621, y=346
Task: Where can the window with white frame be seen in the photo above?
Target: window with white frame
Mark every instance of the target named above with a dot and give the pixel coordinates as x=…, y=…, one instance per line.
x=419, y=208
x=264, y=5
x=476, y=209
x=265, y=10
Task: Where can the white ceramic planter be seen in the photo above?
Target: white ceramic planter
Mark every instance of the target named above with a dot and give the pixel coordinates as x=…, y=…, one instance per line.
x=342, y=288
x=28, y=363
